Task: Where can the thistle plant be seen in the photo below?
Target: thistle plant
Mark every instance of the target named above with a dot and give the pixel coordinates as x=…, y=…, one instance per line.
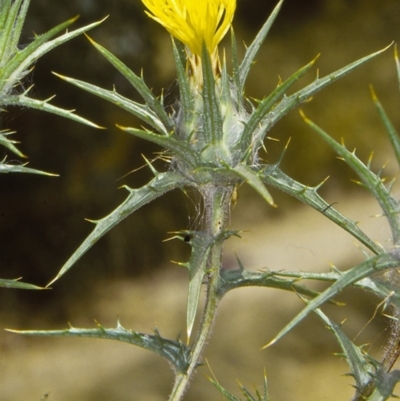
x=212, y=141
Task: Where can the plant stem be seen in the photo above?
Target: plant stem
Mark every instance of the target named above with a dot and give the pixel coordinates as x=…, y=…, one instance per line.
x=217, y=203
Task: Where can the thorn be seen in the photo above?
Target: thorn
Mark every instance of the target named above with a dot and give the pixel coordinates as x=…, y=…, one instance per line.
x=317, y=187
x=303, y=116
x=187, y=265
x=92, y=221
x=241, y=267
x=283, y=153
x=153, y=170
x=373, y=94
x=272, y=342
x=370, y=160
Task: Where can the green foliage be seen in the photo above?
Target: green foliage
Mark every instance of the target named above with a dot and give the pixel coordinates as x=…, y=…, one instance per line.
x=16, y=283
x=212, y=142
x=248, y=397
x=16, y=62
x=174, y=351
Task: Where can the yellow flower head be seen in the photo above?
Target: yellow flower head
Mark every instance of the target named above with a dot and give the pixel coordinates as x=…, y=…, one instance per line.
x=194, y=21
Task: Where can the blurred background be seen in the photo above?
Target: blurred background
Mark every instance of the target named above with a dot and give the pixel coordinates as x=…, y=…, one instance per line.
x=42, y=219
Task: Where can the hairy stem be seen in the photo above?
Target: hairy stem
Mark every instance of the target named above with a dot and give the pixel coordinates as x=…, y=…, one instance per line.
x=217, y=202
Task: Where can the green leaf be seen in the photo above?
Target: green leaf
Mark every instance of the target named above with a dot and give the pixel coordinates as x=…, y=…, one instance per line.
x=246, y=393
x=290, y=102
x=201, y=245
x=376, y=264
x=177, y=147
x=390, y=129
x=233, y=114
x=272, y=175
x=225, y=393
x=382, y=288
x=265, y=108
x=184, y=88
x=253, y=179
x=19, y=65
x=20, y=168
x=10, y=16
x=235, y=66
x=44, y=105
x=8, y=143
x=360, y=364
x=385, y=289
x=18, y=23
x=138, y=83
x=374, y=183
x=232, y=279
x=212, y=114
x=139, y=110
x=16, y=283
x=385, y=383
x=252, y=50
x=137, y=198
x=174, y=351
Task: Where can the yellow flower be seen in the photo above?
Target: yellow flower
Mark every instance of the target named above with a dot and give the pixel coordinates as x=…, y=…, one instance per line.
x=194, y=21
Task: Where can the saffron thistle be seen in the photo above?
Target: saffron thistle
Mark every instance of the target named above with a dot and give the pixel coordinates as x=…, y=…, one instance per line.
x=194, y=21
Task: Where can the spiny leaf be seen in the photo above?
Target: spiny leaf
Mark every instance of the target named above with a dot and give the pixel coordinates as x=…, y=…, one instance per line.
x=15, y=168
x=178, y=148
x=12, y=15
x=174, y=351
x=139, y=110
x=376, y=264
x=266, y=106
x=8, y=143
x=243, y=278
x=360, y=364
x=246, y=393
x=252, y=178
x=389, y=205
x=138, y=83
x=223, y=391
x=212, y=114
x=201, y=244
x=273, y=176
x=18, y=23
x=23, y=59
x=235, y=65
x=184, y=88
x=136, y=199
x=290, y=102
x=16, y=283
x=390, y=129
x=381, y=288
x=255, y=46
x=385, y=383
x=24, y=101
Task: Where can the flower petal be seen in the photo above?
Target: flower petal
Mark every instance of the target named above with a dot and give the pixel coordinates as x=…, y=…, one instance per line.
x=194, y=21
